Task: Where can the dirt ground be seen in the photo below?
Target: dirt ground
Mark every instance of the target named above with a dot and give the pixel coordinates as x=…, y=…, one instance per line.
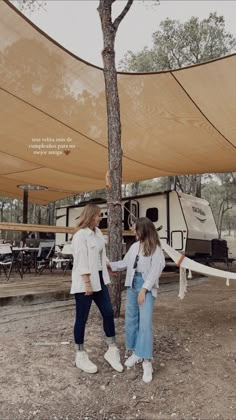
x=194, y=364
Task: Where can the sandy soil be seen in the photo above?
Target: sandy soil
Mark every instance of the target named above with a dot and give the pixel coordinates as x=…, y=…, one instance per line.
x=194, y=365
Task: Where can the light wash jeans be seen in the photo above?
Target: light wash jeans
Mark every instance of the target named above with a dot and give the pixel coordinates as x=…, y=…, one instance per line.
x=138, y=320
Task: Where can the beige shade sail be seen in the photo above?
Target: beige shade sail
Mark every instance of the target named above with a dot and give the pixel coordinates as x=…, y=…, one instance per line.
x=53, y=124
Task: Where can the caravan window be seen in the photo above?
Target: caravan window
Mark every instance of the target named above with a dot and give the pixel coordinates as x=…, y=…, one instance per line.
x=152, y=214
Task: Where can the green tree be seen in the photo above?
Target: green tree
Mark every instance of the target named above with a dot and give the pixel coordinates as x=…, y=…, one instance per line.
x=178, y=44
x=221, y=194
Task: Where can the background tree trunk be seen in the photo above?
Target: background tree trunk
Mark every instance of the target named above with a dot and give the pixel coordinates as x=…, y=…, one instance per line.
x=2, y=208
x=198, y=190
x=170, y=182
x=39, y=215
x=34, y=213
x=135, y=188
x=51, y=213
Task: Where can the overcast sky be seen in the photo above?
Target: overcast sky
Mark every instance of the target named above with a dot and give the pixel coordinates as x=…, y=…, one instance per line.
x=75, y=23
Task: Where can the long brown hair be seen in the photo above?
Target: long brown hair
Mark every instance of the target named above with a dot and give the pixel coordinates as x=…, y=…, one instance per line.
x=146, y=233
x=89, y=212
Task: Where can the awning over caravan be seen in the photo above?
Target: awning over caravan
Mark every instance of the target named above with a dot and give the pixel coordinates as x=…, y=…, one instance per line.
x=53, y=127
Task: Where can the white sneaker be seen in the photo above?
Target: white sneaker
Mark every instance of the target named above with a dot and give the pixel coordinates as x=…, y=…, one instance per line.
x=147, y=372
x=130, y=362
x=82, y=362
x=112, y=356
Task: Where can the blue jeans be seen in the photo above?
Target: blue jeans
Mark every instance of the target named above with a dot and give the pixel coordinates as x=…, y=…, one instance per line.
x=138, y=320
x=103, y=302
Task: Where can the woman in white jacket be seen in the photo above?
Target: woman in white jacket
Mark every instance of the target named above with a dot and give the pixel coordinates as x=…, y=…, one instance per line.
x=89, y=282
x=144, y=263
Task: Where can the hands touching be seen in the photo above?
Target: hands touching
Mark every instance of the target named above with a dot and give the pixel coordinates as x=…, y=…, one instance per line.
x=111, y=273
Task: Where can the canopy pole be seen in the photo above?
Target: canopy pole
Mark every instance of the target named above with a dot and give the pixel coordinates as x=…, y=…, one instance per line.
x=25, y=213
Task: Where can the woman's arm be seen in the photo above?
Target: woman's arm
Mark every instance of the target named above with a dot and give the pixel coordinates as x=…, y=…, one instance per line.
x=122, y=264
x=81, y=253
x=81, y=260
x=118, y=265
x=88, y=287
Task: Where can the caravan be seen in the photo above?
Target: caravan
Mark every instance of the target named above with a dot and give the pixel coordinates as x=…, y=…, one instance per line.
x=185, y=222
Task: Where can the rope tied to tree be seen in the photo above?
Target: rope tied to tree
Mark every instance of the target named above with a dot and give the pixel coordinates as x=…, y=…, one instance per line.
x=114, y=202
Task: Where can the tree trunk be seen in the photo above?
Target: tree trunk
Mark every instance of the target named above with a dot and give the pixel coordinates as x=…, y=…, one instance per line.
x=124, y=190
x=50, y=213
x=170, y=182
x=198, y=190
x=220, y=224
x=39, y=215
x=135, y=188
x=2, y=208
x=109, y=29
x=34, y=214
x=220, y=219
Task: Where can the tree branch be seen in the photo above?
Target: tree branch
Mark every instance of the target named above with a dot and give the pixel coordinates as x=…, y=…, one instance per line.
x=122, y=14
x=233, y=177
x=178, y=182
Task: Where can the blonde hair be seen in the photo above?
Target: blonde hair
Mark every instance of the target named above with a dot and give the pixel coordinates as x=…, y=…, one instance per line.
x=89, y=212
x=147, y=235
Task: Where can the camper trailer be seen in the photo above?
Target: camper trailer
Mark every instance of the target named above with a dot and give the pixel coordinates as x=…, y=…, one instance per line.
x=185, y=222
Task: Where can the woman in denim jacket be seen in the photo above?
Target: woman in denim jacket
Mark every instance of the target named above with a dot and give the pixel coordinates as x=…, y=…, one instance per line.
x=144, y=263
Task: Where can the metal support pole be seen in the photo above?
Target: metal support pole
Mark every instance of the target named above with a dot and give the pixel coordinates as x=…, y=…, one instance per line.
x=25, y=212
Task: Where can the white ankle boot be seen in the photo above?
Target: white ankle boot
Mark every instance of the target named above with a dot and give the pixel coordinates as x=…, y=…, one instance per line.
x=147, y=372
x=112, y=356
x=82, y=362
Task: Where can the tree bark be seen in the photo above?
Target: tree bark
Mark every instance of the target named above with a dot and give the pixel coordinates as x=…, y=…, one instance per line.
x=198, y=191
x=109, y=29
x=170, y=182
x=51, y=213
x=135, y=188
x=34, y=214
x=2, y=208
x=39, y=215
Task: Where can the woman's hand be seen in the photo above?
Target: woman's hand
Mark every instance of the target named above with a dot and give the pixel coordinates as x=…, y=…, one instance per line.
x=87, y=283
x=111, y=273
x=88, y=289
x=141, y=297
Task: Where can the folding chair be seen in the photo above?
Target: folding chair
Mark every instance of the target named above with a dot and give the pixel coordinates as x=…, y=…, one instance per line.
x=64, y=258
x=9, y=260
x=45, y=256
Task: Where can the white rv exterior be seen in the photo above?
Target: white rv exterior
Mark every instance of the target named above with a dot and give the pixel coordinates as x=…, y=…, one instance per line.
x=185, y=222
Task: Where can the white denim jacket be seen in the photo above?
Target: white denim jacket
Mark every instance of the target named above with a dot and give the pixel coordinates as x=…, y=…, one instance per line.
x=151, y=267
x=85, y=253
